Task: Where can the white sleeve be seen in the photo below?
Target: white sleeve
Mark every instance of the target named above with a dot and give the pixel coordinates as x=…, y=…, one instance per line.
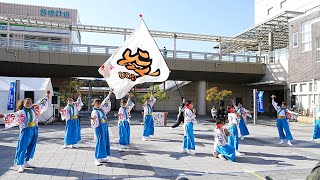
x=152, y=101
x=94, y=119
x=275, y=105
x=129, y=105
x=106, y=104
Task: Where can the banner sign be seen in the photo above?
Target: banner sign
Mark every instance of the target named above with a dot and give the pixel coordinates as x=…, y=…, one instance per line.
x=11, y=97
x=260, y=104
x=158, y=118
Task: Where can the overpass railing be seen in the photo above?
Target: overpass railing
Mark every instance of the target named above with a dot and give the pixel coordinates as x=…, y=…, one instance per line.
x=109, y=50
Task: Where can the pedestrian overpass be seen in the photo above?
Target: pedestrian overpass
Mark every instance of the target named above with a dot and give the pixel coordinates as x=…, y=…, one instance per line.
x=48, y=59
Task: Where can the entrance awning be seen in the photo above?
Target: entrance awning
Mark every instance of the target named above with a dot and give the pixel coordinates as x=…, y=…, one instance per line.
x=269, y=83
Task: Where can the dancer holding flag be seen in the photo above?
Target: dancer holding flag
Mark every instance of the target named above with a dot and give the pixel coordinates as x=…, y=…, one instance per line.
x=148, y=129
x=124, y=122
x=100, y=128
x=27, y=119
x=70, y=115
x=282, y=121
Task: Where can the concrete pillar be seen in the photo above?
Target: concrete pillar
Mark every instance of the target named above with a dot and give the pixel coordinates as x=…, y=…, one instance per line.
x=201, y=98
x=90, y=96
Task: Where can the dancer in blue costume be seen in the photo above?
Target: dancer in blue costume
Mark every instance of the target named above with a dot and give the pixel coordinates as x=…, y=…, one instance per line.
x=233, y=138
x=100, y=128
x=70, y=114
x=27, y=119
x=316, y=128
x=189, y=119
x=148, y=129
x=244, y=113
x=282, y=121
x=124, y=122
x=221, y=148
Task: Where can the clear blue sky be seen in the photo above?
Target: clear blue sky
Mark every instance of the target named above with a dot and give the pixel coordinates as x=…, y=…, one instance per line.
x=213, y=17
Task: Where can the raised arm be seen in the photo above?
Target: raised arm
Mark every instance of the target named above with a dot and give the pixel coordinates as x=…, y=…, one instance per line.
x=78, y=103
x=275, y=105
x=152, y=100
x=42, y=105
x=234, y=104
x=129, y=104
x=106, y=104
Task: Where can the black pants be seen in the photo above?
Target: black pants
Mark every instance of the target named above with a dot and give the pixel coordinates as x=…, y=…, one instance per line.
x=179, y=120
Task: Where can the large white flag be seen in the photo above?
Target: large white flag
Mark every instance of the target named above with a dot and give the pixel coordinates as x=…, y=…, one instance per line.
x=137, y=61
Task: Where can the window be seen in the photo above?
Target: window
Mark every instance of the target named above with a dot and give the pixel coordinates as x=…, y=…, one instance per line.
x=282, y=3
x=295, y=39
x=306, y=36
x=318, y=49
x=303, y=88
x=293, y=88
x=310, y=87
x=269, y=10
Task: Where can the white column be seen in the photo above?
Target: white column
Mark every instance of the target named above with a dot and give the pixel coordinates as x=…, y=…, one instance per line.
x=254, y=106
x=90, y=95
x=201, y=98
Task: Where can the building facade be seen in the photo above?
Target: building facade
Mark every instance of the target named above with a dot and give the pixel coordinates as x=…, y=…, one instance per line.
x=304, y=60
x=266, y=9
x=40, y=13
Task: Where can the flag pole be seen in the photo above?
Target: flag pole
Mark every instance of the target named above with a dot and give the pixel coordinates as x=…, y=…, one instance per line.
x=153, y=38
x=178, y=88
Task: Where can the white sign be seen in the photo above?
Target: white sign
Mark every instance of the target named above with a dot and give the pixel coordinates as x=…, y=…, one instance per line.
x=158, y=118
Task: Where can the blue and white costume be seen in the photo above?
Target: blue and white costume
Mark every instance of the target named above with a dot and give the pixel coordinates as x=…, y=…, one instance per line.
x=124, y=123
x=70, y=115
x=243, y=120
x=27, y=120
x=148, y=128
x=100, y=128
x=222, y=147
x=188, y=139
x=316, y=129
x=233, y=138
x=282, y=122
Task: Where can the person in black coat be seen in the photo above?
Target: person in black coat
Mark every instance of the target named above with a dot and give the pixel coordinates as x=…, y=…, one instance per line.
x=180, y=117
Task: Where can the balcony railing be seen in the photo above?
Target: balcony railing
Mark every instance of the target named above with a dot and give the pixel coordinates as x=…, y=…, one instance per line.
x=109, y=50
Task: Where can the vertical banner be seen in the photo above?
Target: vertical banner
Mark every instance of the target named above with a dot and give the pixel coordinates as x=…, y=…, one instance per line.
x=11, y=97
x=260, y=104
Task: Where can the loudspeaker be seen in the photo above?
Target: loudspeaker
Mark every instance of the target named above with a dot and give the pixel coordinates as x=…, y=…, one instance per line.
x=54, y=100
x=29, y=94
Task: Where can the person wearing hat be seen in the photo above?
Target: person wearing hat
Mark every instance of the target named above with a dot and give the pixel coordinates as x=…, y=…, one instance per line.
x=189, y=119
x=148, y=125
x=70, y=114
x=100, y=128
x=282, y=121
x=243, y=113
x=124, y=123
x=27, y=119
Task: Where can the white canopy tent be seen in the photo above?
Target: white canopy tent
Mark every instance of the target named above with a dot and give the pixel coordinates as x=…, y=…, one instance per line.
x=39, y=86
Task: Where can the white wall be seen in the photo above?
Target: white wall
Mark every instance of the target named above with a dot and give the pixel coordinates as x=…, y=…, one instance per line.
x=262, y=6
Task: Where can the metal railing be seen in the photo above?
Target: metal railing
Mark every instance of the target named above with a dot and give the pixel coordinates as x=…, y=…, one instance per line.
x=109, y=50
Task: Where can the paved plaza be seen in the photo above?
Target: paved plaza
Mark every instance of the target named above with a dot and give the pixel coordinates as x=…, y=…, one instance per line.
x=161, y=158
